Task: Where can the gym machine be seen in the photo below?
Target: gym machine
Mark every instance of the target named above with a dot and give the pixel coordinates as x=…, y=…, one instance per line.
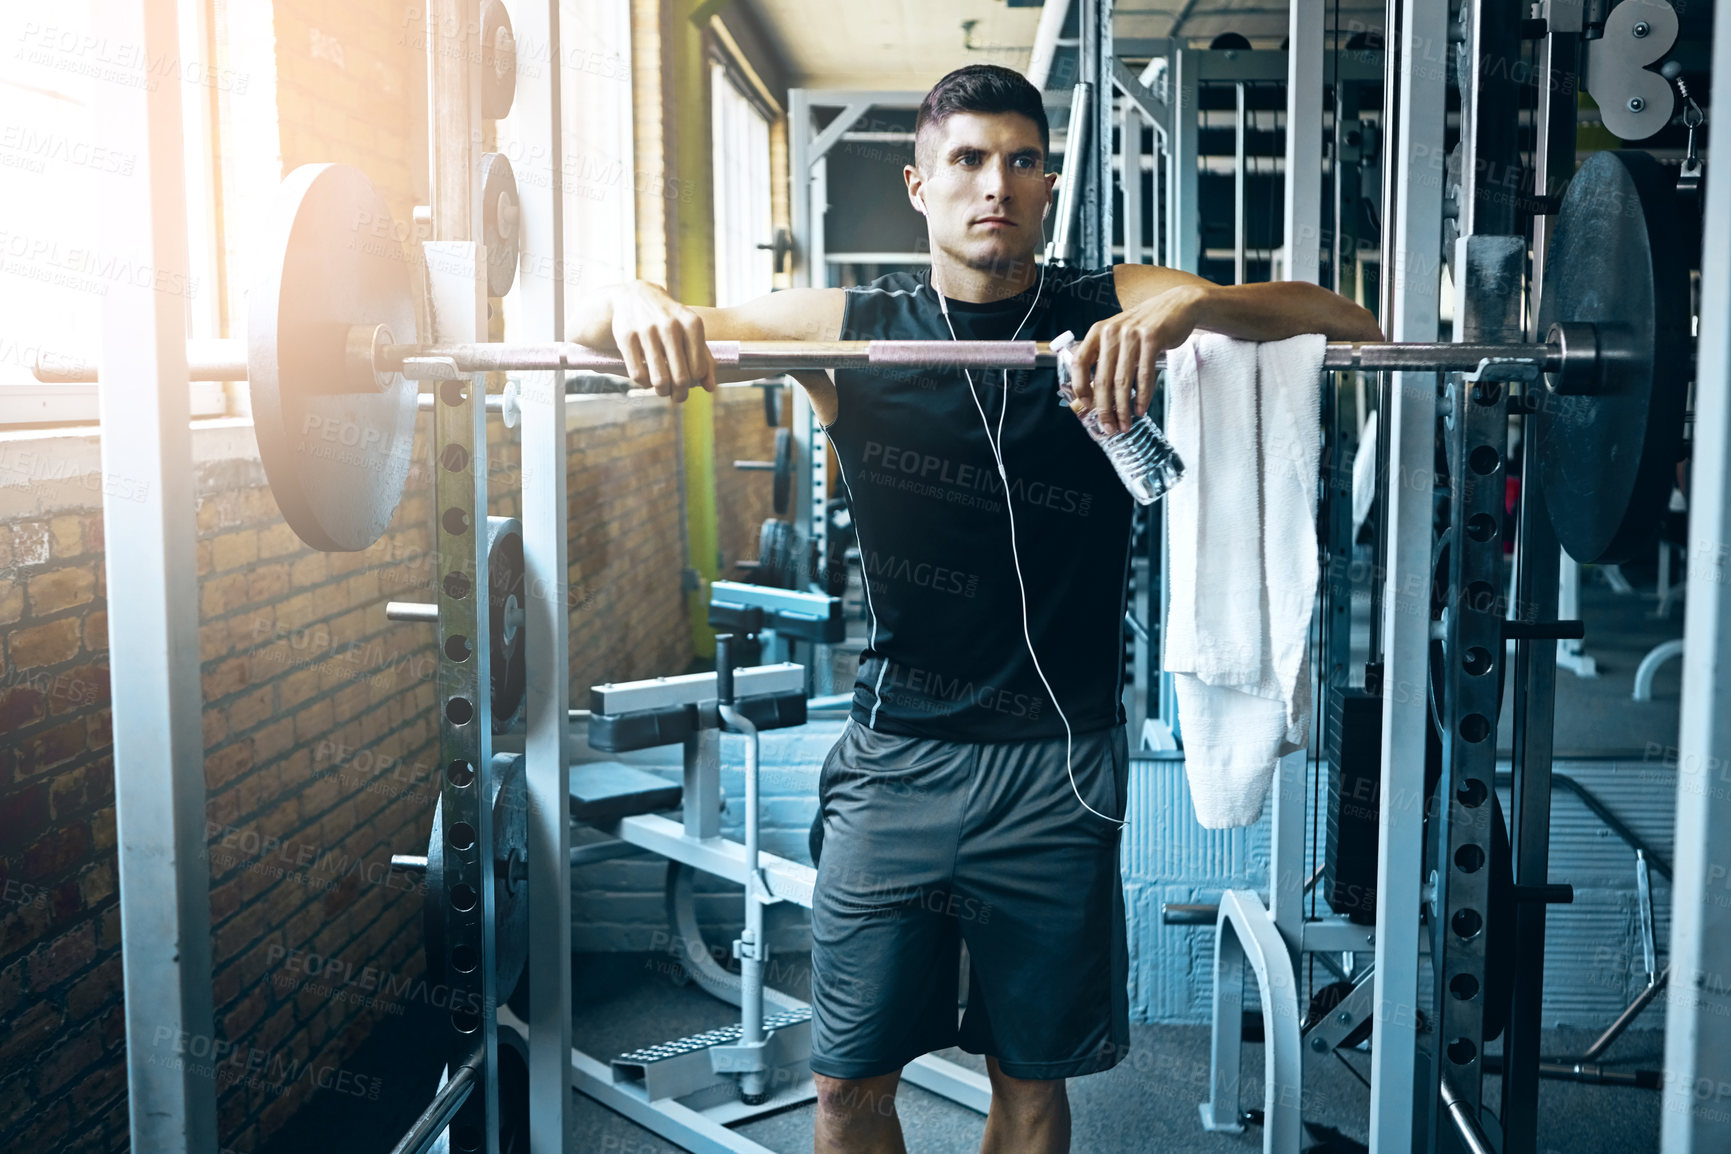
x=335, y=393
x=1413, y=814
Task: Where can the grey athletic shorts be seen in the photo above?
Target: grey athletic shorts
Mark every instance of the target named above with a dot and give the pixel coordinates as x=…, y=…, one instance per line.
x=927, y=844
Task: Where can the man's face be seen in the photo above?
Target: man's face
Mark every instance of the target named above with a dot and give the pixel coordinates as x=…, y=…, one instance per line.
x=982, y=179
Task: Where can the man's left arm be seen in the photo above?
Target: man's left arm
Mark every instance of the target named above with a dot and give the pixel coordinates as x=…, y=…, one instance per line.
x=1162, y=307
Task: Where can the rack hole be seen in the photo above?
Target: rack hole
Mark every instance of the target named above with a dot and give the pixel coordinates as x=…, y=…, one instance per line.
x=1469, y=859
x=1484, y=460
x=1481, y=597
x=460, y=773
x=1462, y=1051
x=1476, y=661
x=457, y=585
x=466, y=1139
x=463, y=897
x=1464, y=987
x=462, y=836
x=464, y=959
x=465, y=1021
x=1467, y=924
x=454, y=392
x=455, y=458
x=1481, y=526
x=460, y=710
x=1474, y=727
x=1472, y=794
x=457, y=647
x=455, y=521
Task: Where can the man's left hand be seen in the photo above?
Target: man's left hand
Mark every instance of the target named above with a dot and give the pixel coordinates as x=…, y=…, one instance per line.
x=1115, y=363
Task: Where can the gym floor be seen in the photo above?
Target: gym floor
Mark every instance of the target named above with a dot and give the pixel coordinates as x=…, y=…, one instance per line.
x=1147, y=1104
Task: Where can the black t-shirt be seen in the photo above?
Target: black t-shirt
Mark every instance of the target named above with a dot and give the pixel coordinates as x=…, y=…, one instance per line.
x=945, y=655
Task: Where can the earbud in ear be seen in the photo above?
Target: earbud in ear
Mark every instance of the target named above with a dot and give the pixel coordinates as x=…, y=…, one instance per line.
x=1046, y=211
x=920, y=206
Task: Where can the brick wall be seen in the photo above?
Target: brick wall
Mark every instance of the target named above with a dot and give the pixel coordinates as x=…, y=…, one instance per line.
x=319, y=754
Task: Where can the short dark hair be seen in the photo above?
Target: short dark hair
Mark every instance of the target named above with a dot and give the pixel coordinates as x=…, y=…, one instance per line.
x=982, y=88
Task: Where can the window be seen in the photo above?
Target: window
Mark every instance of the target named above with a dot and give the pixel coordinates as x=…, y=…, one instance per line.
x=742, y=200
x=53, y=272
x=600, y=179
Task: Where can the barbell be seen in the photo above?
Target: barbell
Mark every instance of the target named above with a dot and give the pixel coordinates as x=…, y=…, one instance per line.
x=334, y=390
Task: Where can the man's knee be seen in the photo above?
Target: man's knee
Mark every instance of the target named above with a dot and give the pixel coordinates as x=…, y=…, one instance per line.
x=1026, y=1096
x=858, y=1097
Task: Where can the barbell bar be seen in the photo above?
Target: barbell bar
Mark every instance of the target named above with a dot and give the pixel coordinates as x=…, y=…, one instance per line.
x=333, y=358
x=1569, y=354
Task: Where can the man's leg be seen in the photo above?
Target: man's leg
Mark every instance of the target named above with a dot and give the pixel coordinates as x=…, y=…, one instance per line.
x=1028, y=1116
x=858, y=1116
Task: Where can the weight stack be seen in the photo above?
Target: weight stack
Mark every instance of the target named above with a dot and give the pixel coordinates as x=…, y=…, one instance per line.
x=1354, y=750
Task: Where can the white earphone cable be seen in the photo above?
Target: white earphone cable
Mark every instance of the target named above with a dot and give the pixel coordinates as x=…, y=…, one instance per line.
x=1015, y=556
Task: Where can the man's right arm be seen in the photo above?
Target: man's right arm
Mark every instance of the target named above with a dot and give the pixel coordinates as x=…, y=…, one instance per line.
x=663, y=341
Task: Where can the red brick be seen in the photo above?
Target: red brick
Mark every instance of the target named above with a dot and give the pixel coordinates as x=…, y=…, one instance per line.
x=234, y=550
x=47, y=1130
x=228, y=677
x=227, y=763
x=246, y=1014
x=99, y=730
x=61, y=1064
x=48, y=748
x=97, y=883
x=30, y=543
x=102, y=829
x=219, y=595
x=11, y=602
x=267, y=582
x=67, y=534
x=96, y=632
x=100, y=985
x=108, y=928
x=59, y=589
x=249, y=709
x=29, y=1033
x=71, y=952
x=25, y=814
x=99, y=1087
x=41, y=645
x=20, y=706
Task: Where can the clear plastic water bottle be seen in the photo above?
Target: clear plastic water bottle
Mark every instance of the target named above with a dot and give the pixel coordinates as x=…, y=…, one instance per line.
x=1145, y=460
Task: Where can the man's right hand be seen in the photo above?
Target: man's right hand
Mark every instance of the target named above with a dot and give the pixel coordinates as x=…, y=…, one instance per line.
x=661, y=341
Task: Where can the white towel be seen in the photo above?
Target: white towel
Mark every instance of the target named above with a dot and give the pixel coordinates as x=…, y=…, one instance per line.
x=1242, y=547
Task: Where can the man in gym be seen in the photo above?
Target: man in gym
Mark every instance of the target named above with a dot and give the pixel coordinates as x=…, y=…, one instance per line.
x=978, y=790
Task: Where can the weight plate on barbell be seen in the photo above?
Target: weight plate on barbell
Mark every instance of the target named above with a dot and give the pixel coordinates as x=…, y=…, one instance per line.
x=336, y=459
x=510, y=802
x=506, y=603
x=776, y=566
x=501, y=222
x=1607, y=458
x=498, y=61
x=783, y=470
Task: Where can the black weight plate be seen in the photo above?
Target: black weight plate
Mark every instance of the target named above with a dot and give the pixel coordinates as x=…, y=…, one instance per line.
x=775, y=560
x=501, y=228
x=336, y=461
x=506, y=604
x=510, y=852
x=513, y=1071
x=783, y=470
x=498, y=61
x=510, y=801
x=1617, y=260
